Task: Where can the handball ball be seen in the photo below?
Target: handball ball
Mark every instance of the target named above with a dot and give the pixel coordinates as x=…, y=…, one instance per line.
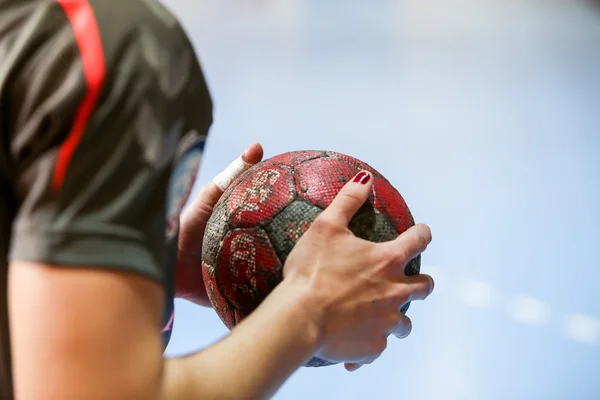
x=264, y=212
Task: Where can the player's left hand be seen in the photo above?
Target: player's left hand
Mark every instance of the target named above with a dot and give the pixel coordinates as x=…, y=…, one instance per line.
x=189, y=283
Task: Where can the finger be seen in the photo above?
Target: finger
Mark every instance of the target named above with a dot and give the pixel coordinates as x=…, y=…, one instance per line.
x=404, y=328
x=210, y=193
x=195, y=217
x=351, y=367
x=350, y=198
x=408, y=245
x=252, y=155
x=419, y=286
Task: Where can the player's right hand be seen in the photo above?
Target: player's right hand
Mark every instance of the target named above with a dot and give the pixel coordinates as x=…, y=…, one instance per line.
x=356, y=287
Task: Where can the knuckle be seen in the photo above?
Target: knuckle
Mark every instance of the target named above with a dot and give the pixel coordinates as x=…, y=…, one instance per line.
x=387, y=254
x=401, y=293
x=203, y=210
x=390, y=257
x=324, y=223
x=393, y=319
x=351, y=196
x=401, y=259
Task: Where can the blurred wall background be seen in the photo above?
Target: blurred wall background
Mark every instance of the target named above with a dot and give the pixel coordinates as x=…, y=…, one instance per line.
x=485, y=114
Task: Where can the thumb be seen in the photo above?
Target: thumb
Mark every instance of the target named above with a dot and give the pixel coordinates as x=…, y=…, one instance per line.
x=349, y=199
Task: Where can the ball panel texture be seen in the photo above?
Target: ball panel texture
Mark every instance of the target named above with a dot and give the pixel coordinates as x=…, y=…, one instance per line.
x=388, y=202
x=319, y=181
x=289, y=225
x=220, y=304
x=216, y=229
x=295, y=158
x=257, y=199
x=262, y=215
x=248, y=268
x=353, y=162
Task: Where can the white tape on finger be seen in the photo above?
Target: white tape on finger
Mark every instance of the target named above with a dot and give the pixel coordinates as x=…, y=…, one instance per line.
x=229, y=174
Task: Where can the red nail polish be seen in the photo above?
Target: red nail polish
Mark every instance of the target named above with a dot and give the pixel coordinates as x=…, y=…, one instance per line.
x=362, y=178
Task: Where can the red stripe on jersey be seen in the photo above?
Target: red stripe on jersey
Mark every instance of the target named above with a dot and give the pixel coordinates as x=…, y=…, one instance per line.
x=85, y=28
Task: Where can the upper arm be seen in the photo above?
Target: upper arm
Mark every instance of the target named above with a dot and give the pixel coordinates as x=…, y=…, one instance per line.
x=99, y=118
x=84, y=333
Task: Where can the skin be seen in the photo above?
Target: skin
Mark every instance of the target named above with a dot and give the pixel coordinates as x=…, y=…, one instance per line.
x=189, y=281
x=98, y=335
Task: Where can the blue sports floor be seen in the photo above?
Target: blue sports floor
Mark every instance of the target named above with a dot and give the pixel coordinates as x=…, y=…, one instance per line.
x=485, y=114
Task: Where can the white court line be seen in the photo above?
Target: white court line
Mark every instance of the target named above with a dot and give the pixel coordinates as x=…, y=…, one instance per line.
x=529, y=311
x=582, y=328
x=476, y=293
x=525, y=309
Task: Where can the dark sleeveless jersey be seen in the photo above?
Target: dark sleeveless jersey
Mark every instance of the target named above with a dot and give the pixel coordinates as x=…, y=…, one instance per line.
x=104, y=111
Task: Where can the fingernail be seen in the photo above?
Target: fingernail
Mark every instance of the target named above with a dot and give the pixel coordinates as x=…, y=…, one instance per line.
x=362, y=177
x=352, y=367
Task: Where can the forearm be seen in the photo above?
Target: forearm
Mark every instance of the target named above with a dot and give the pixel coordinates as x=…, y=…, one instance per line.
x=98, y=337
x=255, y=359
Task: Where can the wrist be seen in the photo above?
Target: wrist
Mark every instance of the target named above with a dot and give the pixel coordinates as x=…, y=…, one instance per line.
x=261, y=352
x=303, y=305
